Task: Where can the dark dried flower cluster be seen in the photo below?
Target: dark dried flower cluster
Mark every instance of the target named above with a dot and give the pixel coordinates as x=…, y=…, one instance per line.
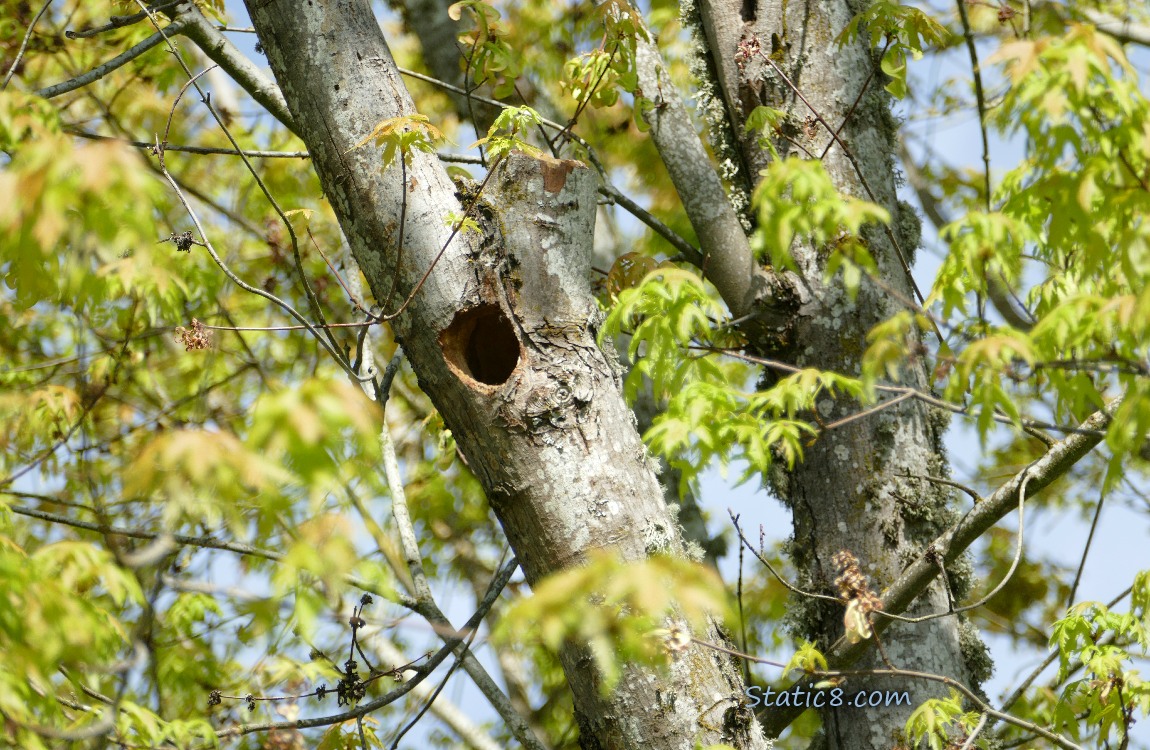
x=852, y=583
x=197, y=337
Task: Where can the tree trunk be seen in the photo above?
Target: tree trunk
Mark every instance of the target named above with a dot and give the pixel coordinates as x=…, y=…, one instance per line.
x=502, y=336
x=860, y=486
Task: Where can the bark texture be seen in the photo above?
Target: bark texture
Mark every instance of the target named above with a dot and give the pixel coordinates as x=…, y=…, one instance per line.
x=859, y=487
x=502, y=337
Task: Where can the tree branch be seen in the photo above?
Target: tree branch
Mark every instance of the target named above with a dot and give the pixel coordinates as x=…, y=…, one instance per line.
x=727, y=259
x=222, y=52
x=24, y=45
x=1127, y=32
x=205, y=542
x=175, y=27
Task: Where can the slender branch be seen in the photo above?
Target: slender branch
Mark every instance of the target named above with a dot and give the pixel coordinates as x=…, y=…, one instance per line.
x=118, y=22
x=203, y=542
x=246, y=73
x=1085, y=550
x=452, y=642
x=980, y=98
x=977, y=498
x=87, y=409
x=251, y=154
x=95, y=74
x=207, y=243
x=24, y=45
x=689, y=251
x=329, y=344
x=858, y=170
x=448, y=712
x=767, y=564
x=923, y=396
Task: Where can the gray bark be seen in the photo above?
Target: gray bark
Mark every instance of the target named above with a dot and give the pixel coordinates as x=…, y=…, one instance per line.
x=855, y=489
x=502, y=338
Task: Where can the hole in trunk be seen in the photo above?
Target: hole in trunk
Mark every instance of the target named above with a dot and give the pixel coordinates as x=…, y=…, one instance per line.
x=480, y=343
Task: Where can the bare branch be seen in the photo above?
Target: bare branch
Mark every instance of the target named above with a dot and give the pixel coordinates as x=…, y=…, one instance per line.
x=225, y=54
x=727, y=259
x=205, y=150
x=118, y=22
x=175, y=27
x=205, y=542
x=24, y=45
x=1123, y=30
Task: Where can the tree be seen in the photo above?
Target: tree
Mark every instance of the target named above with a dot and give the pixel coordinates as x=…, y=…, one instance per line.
x=134, y=467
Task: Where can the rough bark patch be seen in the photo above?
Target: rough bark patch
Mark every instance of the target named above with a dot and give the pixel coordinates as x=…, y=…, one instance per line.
x=480, y=345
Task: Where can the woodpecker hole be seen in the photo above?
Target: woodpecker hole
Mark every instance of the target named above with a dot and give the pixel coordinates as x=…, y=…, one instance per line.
x=480, y=344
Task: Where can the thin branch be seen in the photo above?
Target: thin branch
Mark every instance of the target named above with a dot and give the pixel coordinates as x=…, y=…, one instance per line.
x=24, y=45
x=118, y=22
x=1050, y=659
x=193, y=16
x=1085, y=550
x=452, y=642
x=207, y=243
x=980, y=98
x=448, y=712
x=87, y=409
x=868, y=411
x=858, y=170
x=857, y=101
x=759, y=554
x=95, y=74
x=252, y=154
x=203, y=542
x=689, y=251
x=923, y=396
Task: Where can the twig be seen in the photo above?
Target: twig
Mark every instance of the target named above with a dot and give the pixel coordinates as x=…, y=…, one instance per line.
x=951, y=483
x=455, y=640
x=91, y=404
x=923, y=396
x=689, y=251
x=117, y=22
x=1016, y=694
x=1085, y=550
x=207, y=243
x=204, y=542
x=767, y=564
x=193, y=16
x=253, y=154
x=979, y=97
x=868, y=411
x=857, y=101
x=24, y=45
x=95, y=74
